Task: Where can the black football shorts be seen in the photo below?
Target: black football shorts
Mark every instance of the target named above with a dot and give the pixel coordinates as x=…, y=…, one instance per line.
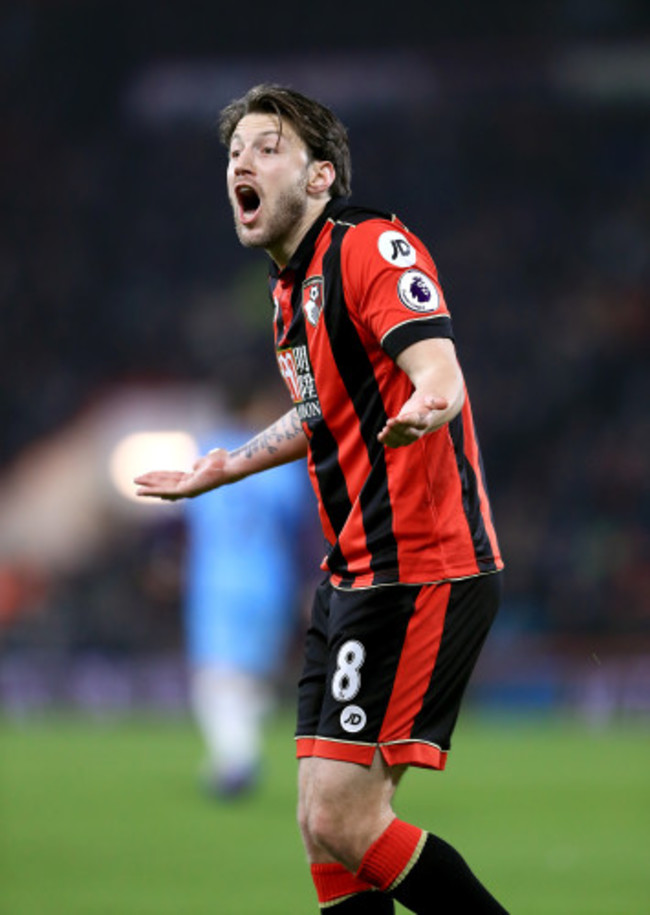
x=386, y=668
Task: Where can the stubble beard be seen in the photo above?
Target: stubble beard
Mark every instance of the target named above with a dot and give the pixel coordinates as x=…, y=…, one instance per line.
x=289, y=212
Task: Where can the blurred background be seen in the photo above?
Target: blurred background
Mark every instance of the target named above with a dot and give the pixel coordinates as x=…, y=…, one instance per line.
x=513, y=138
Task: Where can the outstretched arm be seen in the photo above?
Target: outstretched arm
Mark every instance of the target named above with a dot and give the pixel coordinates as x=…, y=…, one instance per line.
x=283, y=441
x=438, y=396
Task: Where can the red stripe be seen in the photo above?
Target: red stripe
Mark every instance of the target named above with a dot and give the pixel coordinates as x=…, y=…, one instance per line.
x=406, y=753
x=343, y=424
x=418, y=658
x=333, y=881
x=361, y=753
x=390, y=854
x=414, y=753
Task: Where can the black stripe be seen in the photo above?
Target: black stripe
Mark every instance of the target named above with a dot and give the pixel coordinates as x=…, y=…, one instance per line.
x=470, y=498
x=473, y=604
x=331, y=480
x=334, y=493
x=277, y=312
x=404, y=335
x=356, y=372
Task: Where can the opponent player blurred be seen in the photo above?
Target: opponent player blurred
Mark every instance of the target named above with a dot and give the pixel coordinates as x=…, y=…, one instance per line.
x=364, y=342
x=243, y=589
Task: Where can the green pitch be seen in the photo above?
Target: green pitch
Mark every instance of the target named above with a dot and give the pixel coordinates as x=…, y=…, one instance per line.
x=104, y=818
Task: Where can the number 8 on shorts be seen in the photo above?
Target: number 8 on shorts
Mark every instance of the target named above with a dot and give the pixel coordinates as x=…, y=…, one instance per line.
x=346, y=682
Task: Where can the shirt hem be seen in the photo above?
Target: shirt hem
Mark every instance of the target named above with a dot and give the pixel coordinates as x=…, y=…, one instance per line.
x=361, y=583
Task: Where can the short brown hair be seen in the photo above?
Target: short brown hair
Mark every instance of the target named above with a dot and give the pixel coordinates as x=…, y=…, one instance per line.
x=320, y=130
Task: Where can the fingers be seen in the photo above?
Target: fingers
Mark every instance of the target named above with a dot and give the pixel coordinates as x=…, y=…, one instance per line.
x=406, y=428
x=410, y=425
x=396, y=433
x=396, y=436
x=160, y=484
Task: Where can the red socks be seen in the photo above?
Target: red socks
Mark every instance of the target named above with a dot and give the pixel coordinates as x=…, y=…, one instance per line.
x=392, y=855
x=405, y=863
x=334, y=882
x=384, y=865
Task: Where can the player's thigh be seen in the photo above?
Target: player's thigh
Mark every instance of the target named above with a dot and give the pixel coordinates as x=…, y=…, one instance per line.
x=346, y=788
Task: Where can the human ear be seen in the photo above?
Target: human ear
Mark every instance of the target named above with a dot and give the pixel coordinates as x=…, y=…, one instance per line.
x=321, y=177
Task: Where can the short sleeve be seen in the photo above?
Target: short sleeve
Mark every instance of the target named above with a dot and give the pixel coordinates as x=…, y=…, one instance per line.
x=391, y=284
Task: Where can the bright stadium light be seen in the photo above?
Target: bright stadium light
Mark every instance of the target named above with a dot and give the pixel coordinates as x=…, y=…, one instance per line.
x=141, y=451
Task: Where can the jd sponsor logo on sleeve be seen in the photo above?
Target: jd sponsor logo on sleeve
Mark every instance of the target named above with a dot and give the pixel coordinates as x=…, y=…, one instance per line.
x=394, y=248
x=353, y=719
x=418, y=292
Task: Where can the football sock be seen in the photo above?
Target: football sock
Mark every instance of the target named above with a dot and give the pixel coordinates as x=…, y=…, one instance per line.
x=341, y=893
x=424, y=873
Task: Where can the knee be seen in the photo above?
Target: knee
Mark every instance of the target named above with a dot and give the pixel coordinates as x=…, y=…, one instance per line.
x=326, y=829
x=342, y=810
x=334, y=829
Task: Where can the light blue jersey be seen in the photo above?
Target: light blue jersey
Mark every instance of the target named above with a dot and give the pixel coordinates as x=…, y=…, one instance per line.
x=242, y=569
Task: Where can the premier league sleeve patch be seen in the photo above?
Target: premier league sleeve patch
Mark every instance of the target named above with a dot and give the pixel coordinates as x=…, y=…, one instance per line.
x=418, y=292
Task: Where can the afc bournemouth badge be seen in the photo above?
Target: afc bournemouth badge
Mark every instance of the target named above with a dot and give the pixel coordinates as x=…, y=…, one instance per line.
x=313, y=298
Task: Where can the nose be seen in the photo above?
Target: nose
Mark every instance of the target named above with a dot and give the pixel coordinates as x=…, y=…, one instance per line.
x=243, y=164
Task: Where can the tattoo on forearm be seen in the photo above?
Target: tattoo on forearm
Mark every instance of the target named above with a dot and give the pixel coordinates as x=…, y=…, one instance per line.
x=291, y=425
x=286, y=428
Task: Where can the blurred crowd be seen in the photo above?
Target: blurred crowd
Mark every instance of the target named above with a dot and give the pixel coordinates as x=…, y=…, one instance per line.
x=118, y=266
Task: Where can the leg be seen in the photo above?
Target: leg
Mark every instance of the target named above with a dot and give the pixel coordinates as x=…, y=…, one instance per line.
x=385, y=668
x=324, y=823
x=343, y=808
x=346, y=819
x=229, y=707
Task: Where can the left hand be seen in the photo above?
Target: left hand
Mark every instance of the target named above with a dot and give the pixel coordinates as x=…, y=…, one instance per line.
x=419, y=416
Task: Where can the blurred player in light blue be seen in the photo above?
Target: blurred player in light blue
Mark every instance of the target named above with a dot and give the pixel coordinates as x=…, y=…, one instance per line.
x=243, y=589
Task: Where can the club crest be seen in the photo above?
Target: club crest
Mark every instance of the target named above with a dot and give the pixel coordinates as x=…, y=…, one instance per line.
x=313, y=297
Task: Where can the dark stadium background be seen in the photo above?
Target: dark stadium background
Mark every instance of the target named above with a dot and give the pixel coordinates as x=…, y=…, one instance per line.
x=514, y=138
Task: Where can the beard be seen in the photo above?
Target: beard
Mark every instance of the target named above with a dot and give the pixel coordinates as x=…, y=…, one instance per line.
x=279, y=223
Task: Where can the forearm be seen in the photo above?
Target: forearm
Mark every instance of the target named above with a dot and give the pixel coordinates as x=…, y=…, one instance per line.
x=280, y=443
x=438, y=392
x=446, y=383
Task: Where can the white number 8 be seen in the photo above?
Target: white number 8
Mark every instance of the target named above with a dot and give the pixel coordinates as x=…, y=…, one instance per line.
x=346, y=682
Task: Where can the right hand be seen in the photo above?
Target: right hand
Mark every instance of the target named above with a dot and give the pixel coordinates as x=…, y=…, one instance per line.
x=208, y=473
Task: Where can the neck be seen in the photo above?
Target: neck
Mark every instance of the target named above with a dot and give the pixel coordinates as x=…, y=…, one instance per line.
x=284, y=251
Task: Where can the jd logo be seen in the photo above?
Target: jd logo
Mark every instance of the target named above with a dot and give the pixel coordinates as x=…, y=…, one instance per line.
x=353, y=719
x=395, y=248
x=400, y=247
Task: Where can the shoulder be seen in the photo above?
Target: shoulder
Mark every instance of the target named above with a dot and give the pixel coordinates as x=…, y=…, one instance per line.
x=367, y=222
x=378, y=240
x=353, y=214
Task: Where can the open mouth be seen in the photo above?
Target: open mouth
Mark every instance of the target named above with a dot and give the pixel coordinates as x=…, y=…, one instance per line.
x=249, y=202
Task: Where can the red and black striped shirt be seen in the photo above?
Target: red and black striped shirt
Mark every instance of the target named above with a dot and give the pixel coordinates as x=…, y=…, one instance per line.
x=359, y=290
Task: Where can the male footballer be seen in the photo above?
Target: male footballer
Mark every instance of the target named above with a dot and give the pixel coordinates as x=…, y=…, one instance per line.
x=364, y=342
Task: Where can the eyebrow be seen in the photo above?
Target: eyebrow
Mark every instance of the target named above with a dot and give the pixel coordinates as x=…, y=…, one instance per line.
x=264, y=133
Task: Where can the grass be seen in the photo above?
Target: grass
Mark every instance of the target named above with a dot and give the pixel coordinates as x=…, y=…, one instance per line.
x=104, y=817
